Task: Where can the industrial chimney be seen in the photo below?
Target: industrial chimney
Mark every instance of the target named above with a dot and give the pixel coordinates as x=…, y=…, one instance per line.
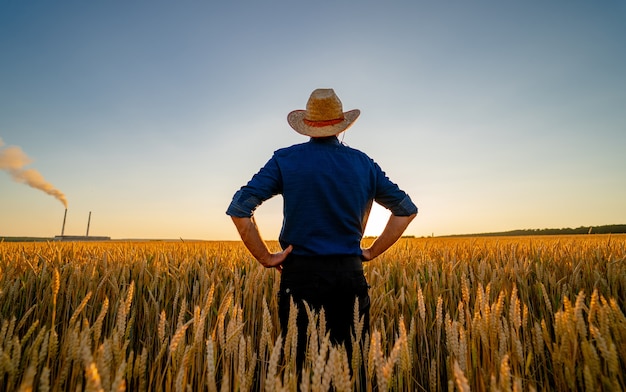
x=63, y=228
x=88, y=222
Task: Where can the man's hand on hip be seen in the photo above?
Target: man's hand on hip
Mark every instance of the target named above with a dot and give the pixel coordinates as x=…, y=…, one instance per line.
x=275, y=260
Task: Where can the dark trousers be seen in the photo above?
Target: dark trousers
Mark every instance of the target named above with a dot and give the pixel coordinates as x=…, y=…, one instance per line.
x=332, y=283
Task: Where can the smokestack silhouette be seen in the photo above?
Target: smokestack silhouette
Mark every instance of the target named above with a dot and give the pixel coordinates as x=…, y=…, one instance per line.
x=63, y=228
x=13, y=160
x=88, y=222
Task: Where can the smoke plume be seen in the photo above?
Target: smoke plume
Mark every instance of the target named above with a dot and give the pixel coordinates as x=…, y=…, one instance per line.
x=13, y=160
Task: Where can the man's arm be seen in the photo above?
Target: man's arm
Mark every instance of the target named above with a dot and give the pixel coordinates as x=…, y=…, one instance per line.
x=251, y=237
x=393, y=231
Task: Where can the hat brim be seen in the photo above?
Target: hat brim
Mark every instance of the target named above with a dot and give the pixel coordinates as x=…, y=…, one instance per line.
x=296, y=121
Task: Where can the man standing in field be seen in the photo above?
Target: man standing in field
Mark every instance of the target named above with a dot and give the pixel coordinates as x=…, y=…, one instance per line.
x=328, y=190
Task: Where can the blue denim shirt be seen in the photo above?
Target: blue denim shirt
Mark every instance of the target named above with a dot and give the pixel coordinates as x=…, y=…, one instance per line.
x=328, y=190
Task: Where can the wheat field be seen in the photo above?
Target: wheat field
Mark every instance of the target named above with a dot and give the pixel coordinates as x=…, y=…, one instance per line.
x=480, y=314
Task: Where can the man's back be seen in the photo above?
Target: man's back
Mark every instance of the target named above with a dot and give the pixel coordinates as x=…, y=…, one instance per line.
x=328, y=190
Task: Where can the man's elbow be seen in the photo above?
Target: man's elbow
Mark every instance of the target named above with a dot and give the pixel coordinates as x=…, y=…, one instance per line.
x=401, y=221
x=410, y=218
x=241, y=223
x=407, y=218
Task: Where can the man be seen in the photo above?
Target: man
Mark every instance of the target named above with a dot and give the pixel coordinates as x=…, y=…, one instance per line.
x=328, y=190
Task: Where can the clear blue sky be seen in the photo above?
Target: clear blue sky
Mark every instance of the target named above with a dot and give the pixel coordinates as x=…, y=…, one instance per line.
x=492, y=115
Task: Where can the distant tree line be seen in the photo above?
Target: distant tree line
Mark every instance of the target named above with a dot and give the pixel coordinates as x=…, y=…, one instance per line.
x=606, y=229
x=24, y=239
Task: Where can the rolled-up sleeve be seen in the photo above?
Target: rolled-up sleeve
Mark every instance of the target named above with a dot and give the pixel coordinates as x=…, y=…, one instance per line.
x=263, y=185
x=405, y=208
x=390, y=196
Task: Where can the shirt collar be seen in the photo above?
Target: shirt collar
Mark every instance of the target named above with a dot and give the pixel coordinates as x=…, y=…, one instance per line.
x=330, y=140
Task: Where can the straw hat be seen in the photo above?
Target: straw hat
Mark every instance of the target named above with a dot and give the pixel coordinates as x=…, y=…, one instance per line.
x=324, y=115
